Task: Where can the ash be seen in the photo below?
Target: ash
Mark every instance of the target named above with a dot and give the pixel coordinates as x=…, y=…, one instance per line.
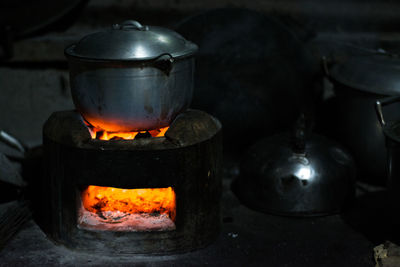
x=124, y=222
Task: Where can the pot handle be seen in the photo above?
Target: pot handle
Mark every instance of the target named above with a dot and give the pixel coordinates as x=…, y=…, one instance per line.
x=379, y=104
x=164, y=62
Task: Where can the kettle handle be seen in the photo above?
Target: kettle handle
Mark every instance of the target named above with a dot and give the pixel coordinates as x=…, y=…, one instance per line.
x=130, y=25
x=379, y=104
x=325, y=68
x=299, y=135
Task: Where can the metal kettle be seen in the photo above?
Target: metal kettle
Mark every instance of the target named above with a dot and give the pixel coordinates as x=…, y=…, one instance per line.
x=296, y=174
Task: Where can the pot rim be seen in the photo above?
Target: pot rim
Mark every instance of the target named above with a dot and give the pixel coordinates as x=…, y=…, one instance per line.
x=375, y=73
x=131, y=41
x=70, y=55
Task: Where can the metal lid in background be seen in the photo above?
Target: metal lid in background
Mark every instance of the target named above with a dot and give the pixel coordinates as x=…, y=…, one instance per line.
x=131, y=41
x=374, y=73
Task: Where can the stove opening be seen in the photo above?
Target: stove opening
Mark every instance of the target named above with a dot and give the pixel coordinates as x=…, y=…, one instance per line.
x=118, y=209
x=104, y=135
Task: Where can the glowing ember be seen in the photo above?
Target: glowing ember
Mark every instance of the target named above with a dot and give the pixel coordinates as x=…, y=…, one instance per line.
x=103, y=135
x=109, y=208
x=152, y=200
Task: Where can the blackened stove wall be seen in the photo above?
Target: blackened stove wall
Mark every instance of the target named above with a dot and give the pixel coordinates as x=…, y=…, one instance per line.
x=188, y=158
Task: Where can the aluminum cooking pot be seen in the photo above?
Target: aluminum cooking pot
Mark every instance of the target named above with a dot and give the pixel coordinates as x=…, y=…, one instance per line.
x=349, y=117
x=131, y=77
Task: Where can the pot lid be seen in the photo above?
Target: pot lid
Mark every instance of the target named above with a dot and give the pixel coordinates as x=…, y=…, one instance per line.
x=377, y=73
x=131, y=41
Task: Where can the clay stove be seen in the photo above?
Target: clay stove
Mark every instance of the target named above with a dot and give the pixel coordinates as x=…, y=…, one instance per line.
x=156, y=194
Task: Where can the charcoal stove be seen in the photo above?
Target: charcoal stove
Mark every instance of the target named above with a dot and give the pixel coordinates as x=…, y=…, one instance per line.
x=180, y=170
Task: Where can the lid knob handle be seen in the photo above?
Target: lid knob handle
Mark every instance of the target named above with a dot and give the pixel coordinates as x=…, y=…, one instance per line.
x=130, y=25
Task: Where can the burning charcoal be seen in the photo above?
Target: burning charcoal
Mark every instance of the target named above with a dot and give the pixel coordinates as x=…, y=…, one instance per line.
x=104, y=135
x=155, y=213
x=99, y=134
x=143, y=135
x=155, y=133
x=125, y=208
x=117, y=138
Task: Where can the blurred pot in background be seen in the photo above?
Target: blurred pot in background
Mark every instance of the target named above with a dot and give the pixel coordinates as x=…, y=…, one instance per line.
x=349, y=117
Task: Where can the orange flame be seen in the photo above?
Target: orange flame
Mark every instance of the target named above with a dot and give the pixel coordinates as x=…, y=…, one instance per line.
x=150, y=200
x=103, y=135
